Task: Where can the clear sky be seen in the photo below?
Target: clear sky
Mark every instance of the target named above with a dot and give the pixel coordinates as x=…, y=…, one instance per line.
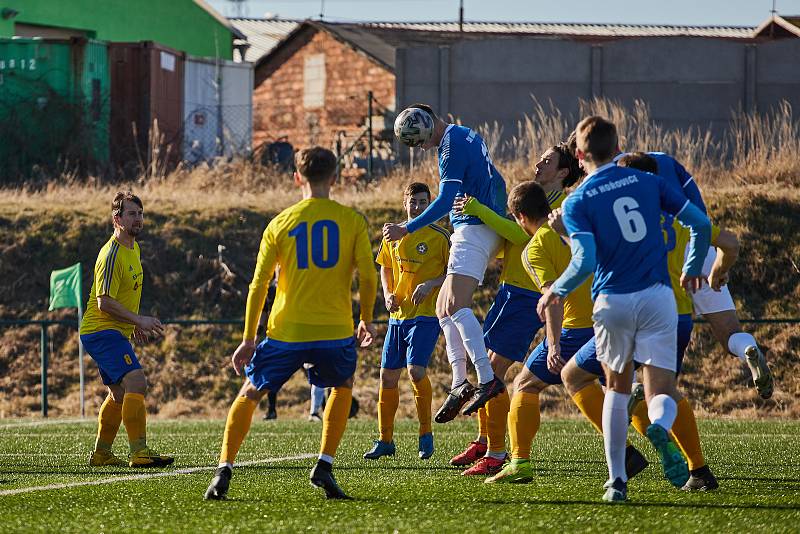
x=683, y=12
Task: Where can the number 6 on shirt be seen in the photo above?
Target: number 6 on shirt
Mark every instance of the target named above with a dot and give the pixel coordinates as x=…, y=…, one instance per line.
x=631, y=222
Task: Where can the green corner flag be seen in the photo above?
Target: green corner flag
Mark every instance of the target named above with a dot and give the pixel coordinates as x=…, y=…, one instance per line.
x=65, y=288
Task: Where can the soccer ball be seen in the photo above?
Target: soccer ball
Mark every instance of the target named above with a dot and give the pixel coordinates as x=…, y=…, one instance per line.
x=414, y=127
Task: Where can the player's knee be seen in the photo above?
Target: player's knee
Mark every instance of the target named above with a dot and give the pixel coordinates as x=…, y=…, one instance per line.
x=347, y=383
x=575, y=379
x=527, y=382
x=500, y=364
x=723, y=325
x=416, y=372
x=249, y=390
x=135, y=382
x=116, y=392
x=390, y=378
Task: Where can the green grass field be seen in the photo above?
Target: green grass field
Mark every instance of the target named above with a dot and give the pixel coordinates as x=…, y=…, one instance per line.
x=756, y=463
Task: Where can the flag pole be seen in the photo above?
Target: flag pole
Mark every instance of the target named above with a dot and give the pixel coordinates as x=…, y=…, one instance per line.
x=80, y=345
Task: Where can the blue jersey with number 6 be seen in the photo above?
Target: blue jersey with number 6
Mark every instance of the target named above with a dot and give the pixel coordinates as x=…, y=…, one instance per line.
x=621, y=207
x=464, y=158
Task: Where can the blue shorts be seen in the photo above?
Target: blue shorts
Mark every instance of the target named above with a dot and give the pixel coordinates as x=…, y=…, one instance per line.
x=410, y=342
x=586, y=358
x=685, y=326
x=512, y=322
x=331, y=363
x=572, y=339
x=113, y=354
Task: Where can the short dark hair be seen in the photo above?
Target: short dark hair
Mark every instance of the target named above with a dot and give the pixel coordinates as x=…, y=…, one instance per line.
x=639, y=160
x=597, y=138
x=567, y=160
x=118, y=204
x=529, y=199
x=425, y=107
x=416, y=187
x=315, y=164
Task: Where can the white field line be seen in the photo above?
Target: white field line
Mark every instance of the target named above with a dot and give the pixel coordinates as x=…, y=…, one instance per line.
x=23, y=424
x=146, y=476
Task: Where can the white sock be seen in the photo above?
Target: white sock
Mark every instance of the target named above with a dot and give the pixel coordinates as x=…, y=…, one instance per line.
x=456, y=353
x=662, y=410
x=226, y=464
x=615, y=433
x=739, y=342
x=472, y=336
x=317, y=398
x=326, y=458
x=496, y=455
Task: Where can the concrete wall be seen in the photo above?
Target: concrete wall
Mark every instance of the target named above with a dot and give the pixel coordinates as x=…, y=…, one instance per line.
x=686, y=81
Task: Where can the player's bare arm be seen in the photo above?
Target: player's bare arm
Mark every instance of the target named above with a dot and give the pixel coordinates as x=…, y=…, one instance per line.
x=150, y=326
x=553, y=318
x=424, y=289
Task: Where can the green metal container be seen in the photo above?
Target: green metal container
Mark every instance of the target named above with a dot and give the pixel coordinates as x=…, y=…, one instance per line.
x=54, y=104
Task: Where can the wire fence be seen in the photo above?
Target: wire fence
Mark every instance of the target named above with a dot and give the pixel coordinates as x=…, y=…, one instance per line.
x=46, y=134
x=44, y=324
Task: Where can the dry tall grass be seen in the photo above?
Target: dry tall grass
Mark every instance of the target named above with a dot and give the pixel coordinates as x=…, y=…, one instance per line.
x=756, y=149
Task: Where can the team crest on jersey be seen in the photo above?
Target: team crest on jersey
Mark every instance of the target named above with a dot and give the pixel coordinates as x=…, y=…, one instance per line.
x=422, y=248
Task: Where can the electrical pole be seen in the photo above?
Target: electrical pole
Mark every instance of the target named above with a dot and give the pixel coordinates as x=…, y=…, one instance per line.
x=461, y=16
x=369, y=135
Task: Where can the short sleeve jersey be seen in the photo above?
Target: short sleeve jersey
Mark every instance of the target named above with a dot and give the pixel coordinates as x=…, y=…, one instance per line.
x=514, y=272
x=317, y=243
x=545, y=258
x=464, y=158
x=621, y=208
x=414, y=259
x=118, y=274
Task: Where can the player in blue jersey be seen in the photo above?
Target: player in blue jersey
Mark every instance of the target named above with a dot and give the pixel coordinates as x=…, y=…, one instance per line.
x=465, y=168
x=716, y=305
x=614, y=222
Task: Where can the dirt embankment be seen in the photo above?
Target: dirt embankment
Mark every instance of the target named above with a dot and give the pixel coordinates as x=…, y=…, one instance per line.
x=189, y=275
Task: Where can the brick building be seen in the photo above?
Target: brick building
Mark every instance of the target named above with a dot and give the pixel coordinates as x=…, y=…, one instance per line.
x=312, y=77
x=314, y=85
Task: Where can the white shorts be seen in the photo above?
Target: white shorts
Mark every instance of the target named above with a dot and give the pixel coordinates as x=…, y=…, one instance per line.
x=471, y=248
x=640, y=326
x=706, y=300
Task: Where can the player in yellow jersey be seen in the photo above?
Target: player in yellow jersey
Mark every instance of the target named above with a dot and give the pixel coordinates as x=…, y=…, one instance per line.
x=512, y=322
x=412, y=270
x=568, y=327
x=316, y=243
x=111, y=319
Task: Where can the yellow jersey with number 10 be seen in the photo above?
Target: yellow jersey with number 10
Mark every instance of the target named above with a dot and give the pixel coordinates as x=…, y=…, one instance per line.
x=317, y=243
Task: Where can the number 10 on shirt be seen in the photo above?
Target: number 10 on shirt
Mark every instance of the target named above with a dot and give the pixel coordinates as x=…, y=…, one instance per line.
x=324, y=244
